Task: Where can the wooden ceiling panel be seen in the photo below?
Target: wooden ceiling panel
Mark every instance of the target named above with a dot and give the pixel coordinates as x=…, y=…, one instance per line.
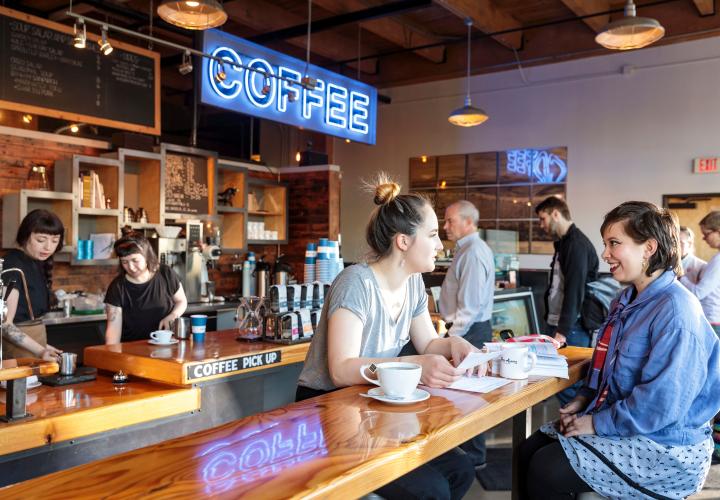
x=487, y=17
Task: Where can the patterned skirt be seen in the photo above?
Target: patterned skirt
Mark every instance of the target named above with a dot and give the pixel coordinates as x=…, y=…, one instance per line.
x=660, y=471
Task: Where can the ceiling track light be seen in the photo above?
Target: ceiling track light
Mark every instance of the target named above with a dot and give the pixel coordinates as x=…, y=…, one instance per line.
x=468, y=115
x=79, y=34
x=630, y=32
x=186, y=67
x=104, y=44
x=193, y=14
x=307, y=83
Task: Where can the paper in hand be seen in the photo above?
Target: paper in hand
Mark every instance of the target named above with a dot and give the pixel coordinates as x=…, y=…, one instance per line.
x=475, y=358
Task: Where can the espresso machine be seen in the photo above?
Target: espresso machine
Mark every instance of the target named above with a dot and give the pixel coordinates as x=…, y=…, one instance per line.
x=184, y=256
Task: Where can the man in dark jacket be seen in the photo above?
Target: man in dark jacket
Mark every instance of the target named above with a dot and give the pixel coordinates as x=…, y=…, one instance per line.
x=574, y=264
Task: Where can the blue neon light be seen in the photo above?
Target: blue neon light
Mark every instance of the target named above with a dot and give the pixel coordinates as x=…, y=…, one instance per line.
x=337, y=106
x=539, y=165
x=260, y=451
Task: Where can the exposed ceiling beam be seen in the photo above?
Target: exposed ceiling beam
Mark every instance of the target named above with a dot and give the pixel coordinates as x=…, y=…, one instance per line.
x=262, y=16
x=488, y=18
x=347, y=17
x=705, y=7
x=587, y=8
x=391, y=29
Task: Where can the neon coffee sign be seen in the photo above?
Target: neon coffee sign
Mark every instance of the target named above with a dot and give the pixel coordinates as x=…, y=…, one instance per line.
x=271, y=89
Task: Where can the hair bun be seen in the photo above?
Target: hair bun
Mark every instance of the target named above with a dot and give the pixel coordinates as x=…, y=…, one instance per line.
x=386, y=192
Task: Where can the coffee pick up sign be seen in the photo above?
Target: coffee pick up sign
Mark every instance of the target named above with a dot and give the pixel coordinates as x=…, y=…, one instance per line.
x=212, y=369
x=337, y=106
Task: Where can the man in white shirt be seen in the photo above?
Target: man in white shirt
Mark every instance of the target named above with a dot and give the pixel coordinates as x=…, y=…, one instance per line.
x=466, y=296
x=692, y=264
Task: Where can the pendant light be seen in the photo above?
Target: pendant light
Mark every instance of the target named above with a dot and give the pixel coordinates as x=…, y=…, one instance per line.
x=193, y=14
x=630, y=32
x=468, y=115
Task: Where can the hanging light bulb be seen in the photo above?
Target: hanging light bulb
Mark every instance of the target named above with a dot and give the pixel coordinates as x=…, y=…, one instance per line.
x=220, y=74
x=74, y=128
x=297, y=156
x=27, y=118
x=193, y=14
x=266, y=86
x=104, y=44
x=630, y=32
x=80, y=34
x=468, y=115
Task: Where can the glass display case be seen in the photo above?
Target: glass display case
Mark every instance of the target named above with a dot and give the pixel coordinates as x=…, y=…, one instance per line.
x=514, y=310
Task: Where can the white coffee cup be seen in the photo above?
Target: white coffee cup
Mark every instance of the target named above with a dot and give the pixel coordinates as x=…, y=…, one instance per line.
x=516, y=361
x=397, y=379
x=161, y=336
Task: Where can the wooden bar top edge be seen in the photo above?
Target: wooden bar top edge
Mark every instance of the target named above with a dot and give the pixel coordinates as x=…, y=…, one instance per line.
x=46, y=430
x=452, y=416
x=136, y=358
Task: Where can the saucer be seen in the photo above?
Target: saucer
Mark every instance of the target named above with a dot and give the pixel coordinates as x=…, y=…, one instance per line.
x=415, y=397
x=155, y=342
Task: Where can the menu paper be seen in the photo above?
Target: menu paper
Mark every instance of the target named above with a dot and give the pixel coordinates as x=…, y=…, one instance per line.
x=479, y=384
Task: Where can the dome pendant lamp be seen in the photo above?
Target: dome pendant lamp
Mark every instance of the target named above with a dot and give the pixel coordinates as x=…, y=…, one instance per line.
x=630, y=32
x=468, y=115
x=193, y=14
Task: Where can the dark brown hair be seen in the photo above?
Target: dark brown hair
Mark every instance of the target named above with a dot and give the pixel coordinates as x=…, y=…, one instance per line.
x=644, y=221
x=395, y=214
x=553, y=203
x=134, y=242
x=42, y=222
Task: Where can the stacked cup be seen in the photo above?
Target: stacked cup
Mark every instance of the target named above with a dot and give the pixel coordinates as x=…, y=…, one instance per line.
x=334, y=253
x=323, y=263
x=199, y=325
x=310, y=256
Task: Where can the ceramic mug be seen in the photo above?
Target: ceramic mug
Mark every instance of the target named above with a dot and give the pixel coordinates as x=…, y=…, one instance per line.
x=397, y=379
x=516, y=361
x=161, y=336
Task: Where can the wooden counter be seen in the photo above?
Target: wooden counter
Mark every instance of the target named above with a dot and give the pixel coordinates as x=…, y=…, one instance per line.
x=339, y=445
x=73, y=411
x=189, y=362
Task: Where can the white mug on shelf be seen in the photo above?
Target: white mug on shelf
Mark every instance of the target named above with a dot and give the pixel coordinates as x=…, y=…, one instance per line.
x=516, y=361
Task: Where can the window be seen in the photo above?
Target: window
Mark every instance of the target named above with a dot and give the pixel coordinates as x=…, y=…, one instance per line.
x=505, y=186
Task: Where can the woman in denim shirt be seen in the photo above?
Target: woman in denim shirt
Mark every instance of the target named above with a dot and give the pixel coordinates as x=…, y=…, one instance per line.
x=639, y=427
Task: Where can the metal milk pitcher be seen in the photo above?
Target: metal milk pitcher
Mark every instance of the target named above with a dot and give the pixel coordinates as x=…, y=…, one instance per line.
x=250, y=315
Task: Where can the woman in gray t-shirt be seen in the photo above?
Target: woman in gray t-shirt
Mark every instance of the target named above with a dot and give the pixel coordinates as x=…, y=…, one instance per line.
x=373, y=310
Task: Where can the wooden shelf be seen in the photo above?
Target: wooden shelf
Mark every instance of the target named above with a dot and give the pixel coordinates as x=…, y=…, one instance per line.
x=98, y=211
x=268, y=204
x=231, y=210
x=17, y=205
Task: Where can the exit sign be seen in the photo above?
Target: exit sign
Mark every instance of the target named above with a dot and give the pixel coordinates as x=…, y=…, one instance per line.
x=706, y=165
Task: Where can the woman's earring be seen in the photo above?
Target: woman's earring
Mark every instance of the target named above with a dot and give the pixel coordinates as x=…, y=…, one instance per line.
x=644, y=265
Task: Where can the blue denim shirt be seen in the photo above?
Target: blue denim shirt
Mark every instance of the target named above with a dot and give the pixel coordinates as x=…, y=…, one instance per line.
x=662, y=367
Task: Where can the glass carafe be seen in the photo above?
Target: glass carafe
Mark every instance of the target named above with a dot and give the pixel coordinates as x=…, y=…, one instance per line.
x=250, y=314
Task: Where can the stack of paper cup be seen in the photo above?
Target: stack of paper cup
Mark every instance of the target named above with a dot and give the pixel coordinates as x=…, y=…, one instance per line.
x=334, y=256
x=323, y=263
x=310, y=256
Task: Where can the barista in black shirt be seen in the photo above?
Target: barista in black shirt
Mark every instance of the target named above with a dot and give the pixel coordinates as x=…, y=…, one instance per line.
x=39, y=237
x=146, y=296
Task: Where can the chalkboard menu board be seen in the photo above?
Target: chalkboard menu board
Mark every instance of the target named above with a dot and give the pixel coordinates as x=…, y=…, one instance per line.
x=42, y=72
x=186, y=184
